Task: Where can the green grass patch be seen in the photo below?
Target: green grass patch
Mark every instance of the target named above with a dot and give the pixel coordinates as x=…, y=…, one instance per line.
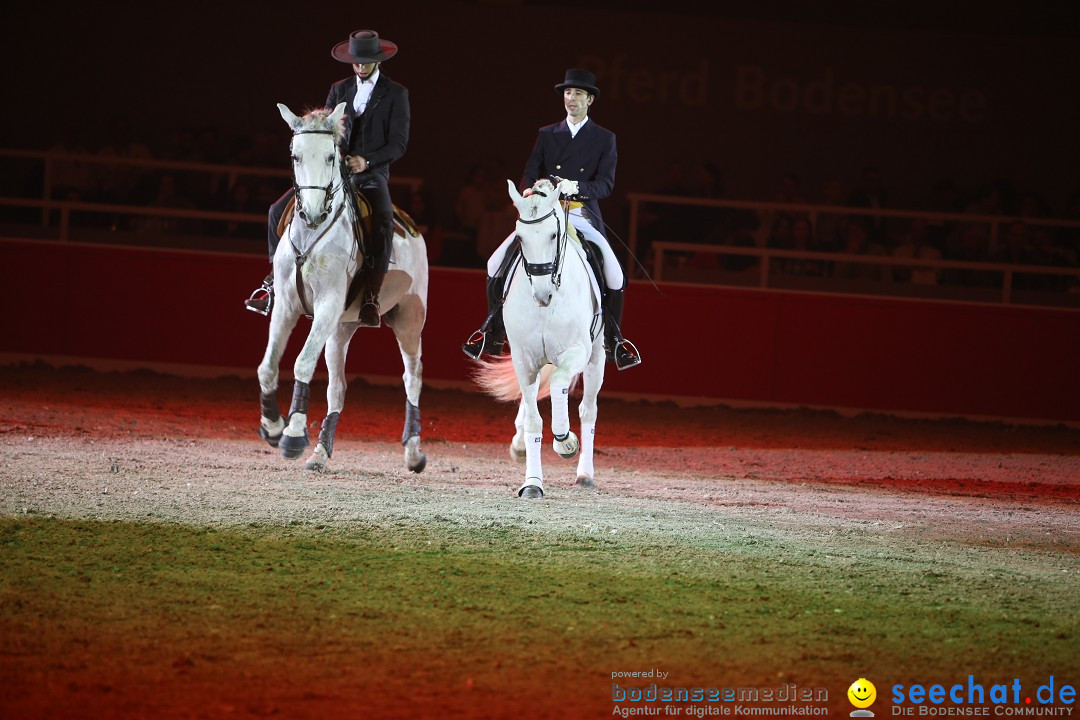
x=478, y=606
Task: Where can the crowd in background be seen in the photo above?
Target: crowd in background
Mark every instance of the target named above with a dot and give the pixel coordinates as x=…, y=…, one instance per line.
x=1022, y=240
x=464, y=233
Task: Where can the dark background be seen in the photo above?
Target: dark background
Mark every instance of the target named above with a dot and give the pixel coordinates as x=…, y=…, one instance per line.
x=481, y=77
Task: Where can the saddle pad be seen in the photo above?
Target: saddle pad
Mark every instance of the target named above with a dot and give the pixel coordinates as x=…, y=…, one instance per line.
x=404, y=225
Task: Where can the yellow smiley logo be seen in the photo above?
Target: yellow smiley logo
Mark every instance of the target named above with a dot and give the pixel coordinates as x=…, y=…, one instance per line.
x=862, y=693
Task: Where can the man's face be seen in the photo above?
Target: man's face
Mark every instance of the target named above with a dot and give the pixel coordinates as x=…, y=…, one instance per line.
x=364, y=71
x=577, y=102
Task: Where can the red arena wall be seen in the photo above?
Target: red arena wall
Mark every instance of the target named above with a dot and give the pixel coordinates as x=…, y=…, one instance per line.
x=162, y=309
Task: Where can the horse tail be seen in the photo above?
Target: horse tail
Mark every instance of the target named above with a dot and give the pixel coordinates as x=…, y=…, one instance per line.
x=497, y=378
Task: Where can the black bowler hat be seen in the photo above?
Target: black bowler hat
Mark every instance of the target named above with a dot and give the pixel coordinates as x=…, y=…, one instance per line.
x=578, y=78
x=362, y=47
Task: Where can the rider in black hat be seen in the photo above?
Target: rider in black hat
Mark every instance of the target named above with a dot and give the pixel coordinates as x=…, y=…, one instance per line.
x=376, y=134
x=579, y=150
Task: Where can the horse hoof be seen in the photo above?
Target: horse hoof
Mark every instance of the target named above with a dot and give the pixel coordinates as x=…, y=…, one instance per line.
x=271, y=440
x=314, y=465
x=293, y=447
x=531, y=492
x=418, y=466
x=585, y=482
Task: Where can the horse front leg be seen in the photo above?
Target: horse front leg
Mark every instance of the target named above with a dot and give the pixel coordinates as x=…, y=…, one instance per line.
x=593, y=380
x=517, y=444
x=295, y=436
x=282, y=322
x=533, y=487
x=407, y=321
x=565, y=443
x=337, y=349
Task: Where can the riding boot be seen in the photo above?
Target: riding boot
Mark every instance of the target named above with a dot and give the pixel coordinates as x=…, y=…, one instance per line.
x=491, y=336
x=619, y=350
x=383, y=230
x=370, y=313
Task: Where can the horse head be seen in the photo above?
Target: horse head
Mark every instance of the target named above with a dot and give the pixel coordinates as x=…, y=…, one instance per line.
x=316, y=165
x=541, y=232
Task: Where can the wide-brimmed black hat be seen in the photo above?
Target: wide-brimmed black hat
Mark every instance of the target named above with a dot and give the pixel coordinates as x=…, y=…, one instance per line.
x=578, y=78
x=362, y=47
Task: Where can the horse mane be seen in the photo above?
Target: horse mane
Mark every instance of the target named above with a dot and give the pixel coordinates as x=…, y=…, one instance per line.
x=319, y=119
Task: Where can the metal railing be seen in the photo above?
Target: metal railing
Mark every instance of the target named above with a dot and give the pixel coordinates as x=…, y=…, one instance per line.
x=52, y=161
x=767, y=268
x=767, y=271
x=813, y=211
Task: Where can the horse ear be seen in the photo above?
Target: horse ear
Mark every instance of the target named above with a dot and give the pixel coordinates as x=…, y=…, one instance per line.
x=515, y=196
x=287, y=115
x=339, y=111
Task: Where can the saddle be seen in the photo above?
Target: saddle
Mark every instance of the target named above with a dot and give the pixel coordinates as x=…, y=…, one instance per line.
x=404, y=227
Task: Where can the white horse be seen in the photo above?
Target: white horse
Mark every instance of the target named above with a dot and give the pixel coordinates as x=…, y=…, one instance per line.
x=551, y=313
x=314, y=265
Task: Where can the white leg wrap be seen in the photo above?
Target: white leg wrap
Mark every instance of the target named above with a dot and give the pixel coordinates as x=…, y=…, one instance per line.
x=585, y=459
x=560, y=411
x=532, y=456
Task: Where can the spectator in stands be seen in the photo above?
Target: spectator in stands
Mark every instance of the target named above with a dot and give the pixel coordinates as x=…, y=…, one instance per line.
x=1067, y=239
x=780, y=233
x=916, y=245
x=242, y=199
x=871, y=194
x=830, y=226
x=802, y=239
x=789, y=192
x=944, y=198
x=857, y=241
x=707, y=181
x=169, y=195
x=970, y=243
x=1015, y=244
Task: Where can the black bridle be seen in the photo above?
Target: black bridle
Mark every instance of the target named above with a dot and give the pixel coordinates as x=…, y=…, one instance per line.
x=329, y=188
x=301, y=257
x=554, y=267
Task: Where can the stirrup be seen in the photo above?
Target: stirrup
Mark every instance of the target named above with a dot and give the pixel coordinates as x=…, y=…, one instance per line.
x=262, y=300
x=369, y=313
x=626, y=355
x=474, y=346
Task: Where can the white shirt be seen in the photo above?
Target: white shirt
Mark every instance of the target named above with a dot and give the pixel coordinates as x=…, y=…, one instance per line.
x=364, y=89
x=575, y=128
